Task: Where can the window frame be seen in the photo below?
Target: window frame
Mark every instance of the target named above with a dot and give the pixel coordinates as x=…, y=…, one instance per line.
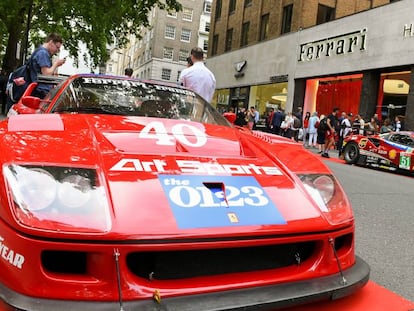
x=264, y=27
x=168, y=51
x=187, y=16
x=166, y=71
x=166, y=32
x=244, y=38
x=287, y=19
x=232, y=6
x=184, y=35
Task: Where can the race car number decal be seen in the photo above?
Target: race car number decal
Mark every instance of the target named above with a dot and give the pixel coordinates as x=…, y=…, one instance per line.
x=207, y=201
x=179, y=132
x=405, y=161
x=363, y=143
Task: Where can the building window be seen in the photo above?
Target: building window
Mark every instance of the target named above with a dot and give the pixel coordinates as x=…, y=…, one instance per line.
x=207, y=7
x=232, y=6
x=287, y=18
x=166, y=74
x=172, y=14
x=188, y=14
x=168, y=53
x=182, y=55
x=245, y=34
x=214, y=48
x=229, y=39
x=325, y=14
x=207, y=27
x=218, y=9
x=169, y=32
x=185, y=35
x=264, y=27
x=247, y=3
x=178, y=75
x=205, y=45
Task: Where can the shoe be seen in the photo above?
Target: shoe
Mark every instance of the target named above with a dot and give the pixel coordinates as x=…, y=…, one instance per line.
x=325, y=155
x=320, y=152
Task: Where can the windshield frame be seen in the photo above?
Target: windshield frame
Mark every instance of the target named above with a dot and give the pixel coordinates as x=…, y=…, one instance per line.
x=133, y=97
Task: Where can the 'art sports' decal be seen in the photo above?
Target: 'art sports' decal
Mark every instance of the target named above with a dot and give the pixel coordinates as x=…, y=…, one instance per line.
x=218, y=201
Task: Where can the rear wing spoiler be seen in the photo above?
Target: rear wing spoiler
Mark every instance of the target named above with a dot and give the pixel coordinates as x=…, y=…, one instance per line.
x=48, y=79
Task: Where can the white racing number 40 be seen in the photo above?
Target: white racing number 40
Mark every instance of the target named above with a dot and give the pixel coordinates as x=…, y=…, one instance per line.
x=180, y=132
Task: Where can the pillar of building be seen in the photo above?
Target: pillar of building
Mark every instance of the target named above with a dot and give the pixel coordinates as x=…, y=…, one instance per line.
x=409, y=111
x=369, y=93
x=299, y=94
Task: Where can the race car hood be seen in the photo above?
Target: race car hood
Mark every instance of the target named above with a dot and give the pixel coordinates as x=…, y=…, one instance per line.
x=172, y=178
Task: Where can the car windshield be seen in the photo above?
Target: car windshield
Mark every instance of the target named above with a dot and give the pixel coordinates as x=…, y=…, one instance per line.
x=400, y=138
x=111, y=95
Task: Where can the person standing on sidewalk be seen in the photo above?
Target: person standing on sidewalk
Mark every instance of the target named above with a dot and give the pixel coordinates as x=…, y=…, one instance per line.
x=312, y=129
x=198, y=77
x=330, y=132
x=346, y=129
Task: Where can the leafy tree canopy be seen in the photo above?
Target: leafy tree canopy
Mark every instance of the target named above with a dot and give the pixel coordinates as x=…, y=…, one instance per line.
x=98, y=24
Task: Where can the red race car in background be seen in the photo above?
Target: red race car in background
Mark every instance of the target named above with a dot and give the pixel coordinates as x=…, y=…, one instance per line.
x=392, y=151
x=120, y=193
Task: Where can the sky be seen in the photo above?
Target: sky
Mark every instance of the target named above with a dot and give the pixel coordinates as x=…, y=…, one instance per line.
x=68, y=68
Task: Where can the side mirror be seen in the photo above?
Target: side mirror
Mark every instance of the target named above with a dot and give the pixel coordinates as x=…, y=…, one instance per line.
x=31, y=102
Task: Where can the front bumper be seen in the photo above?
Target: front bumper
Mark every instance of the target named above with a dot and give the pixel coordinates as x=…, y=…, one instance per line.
x=258, y=298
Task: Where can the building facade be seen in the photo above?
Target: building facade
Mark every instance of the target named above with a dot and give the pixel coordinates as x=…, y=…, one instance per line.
x=161, y=53
x=353, y=54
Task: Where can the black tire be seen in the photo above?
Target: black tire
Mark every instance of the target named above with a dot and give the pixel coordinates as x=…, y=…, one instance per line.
x=351, y=153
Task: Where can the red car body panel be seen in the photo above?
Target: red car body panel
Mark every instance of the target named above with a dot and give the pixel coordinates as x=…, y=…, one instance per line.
x=147, y=168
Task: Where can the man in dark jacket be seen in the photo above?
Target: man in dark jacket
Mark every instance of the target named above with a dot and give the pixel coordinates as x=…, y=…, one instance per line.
x=332, y=123
x=278, y=117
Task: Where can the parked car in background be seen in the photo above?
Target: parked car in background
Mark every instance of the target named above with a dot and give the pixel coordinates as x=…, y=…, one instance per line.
x=392, y=151
x=120, y=193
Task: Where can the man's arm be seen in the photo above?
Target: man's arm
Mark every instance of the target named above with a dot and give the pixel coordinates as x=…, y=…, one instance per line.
x=51, y=70
x=328, y=122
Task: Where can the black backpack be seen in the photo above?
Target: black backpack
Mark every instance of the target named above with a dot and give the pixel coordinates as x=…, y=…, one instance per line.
x=19, y=80
x=296, y=123
x=323, y=124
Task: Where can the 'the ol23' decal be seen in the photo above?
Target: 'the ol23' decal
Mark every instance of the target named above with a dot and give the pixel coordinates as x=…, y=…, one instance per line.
x=203, y=197
x=202, y=201
x=180, y=132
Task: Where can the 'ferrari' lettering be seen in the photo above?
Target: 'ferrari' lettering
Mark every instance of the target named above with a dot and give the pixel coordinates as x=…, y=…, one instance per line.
x=9, y=255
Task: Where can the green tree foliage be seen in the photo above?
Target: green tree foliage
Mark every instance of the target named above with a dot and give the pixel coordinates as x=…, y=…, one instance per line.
x=97, y=24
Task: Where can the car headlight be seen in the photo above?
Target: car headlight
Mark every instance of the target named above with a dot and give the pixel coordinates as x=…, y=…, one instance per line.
x=67, y=199
x=329, y=196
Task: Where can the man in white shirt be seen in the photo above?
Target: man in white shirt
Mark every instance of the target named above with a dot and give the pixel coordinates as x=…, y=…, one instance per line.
x=198, y=77
x=346, y=129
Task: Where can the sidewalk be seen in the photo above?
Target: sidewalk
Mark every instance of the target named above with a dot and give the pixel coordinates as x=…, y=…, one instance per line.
x=333, y=154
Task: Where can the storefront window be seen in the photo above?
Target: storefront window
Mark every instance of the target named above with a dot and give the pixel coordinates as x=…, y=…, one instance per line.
x=392, y=97
x=221, y=99
x=267, y=96
x=323, y=94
